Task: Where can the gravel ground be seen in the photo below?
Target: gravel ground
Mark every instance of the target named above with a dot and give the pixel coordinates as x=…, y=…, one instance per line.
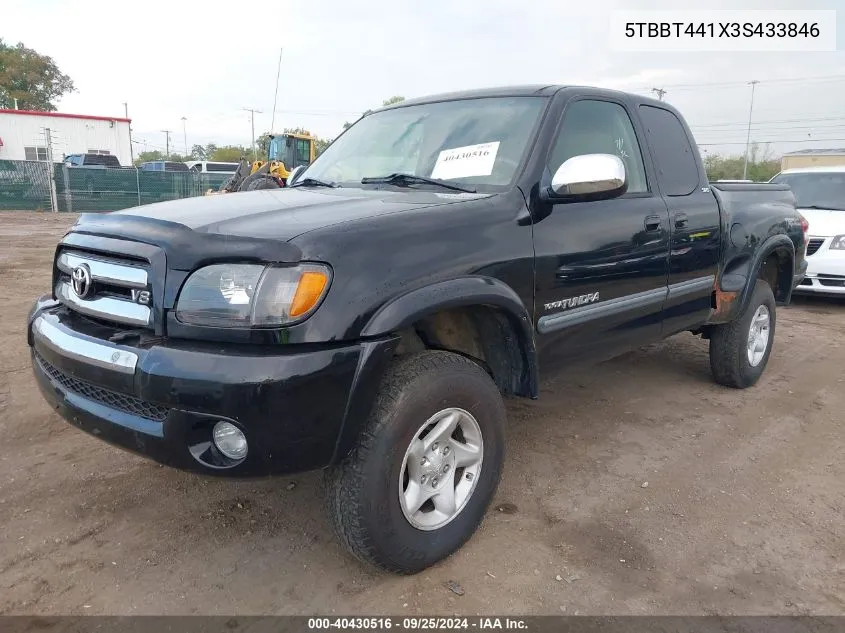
x=634, y=487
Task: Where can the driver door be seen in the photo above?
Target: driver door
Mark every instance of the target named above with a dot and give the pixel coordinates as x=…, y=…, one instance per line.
x=601, y=266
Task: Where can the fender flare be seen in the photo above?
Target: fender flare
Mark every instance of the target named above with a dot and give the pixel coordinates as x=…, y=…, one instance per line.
x=741, y=278
x=470, y=290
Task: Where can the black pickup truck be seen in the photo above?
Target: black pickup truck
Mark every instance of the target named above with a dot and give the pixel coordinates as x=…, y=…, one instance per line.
x=369, y=318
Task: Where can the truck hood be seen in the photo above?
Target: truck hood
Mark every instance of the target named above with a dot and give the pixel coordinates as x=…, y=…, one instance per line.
x=283, y=214
x=824, y=223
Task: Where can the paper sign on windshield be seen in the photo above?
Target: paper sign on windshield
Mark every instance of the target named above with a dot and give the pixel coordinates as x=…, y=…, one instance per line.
x=463, y=162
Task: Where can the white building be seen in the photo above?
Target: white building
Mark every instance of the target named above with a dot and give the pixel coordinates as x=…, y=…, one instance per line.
x=23, y=135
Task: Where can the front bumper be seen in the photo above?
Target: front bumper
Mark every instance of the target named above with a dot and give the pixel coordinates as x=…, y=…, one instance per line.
x=825, y=272
x=295, y=404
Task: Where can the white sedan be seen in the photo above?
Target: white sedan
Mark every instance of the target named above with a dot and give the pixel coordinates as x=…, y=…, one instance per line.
x=820, y=198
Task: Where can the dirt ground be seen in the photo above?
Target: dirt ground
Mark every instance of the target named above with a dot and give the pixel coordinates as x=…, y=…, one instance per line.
x=642, y=485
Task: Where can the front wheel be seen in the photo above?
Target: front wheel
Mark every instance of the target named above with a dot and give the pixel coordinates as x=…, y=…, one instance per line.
x=425, y=467
x=739, y=351
x=263, y=183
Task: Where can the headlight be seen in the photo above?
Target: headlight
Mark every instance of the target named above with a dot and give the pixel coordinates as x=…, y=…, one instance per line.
x=251, y=295
x=838, y=243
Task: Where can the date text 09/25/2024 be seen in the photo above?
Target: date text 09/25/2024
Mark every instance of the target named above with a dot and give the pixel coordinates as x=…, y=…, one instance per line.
x=419, y=623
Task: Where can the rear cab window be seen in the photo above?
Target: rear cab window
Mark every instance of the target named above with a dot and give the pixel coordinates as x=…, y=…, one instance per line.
x=674, y=158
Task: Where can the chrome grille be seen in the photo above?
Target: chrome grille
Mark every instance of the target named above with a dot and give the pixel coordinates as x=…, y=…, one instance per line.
x=107, y=397
x=114, y=284
x=814, y=244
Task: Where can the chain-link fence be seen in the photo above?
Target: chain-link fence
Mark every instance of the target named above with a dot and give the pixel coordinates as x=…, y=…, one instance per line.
x=26, y=185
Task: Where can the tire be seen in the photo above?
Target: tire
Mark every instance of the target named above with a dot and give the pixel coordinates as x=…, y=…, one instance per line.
x=363, y=491
x=263, y=183
x=730, y=359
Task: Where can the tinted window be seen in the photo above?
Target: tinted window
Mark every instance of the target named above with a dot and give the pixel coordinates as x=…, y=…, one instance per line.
x=97, y=159
x=674, y=157
x=825, y=190
x=303, y=152
x=600, y=127
x=221, y=167
x=173, y=166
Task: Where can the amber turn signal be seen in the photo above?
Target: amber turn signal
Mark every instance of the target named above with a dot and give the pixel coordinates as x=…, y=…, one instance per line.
x=308, y=292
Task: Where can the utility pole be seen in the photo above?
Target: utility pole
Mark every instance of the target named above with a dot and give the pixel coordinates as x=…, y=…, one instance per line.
x=16, y=102
x=252, y=112
x=659, y=92
x=748, y=136
x=54, y=201
x=131, y=151
x=185, y=136
x=167, y=143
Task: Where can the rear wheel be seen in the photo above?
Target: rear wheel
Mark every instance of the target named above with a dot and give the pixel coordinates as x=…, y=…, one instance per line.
x=739, y=351
x=426, y=466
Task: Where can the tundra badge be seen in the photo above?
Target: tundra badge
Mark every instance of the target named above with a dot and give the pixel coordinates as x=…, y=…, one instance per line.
x=571, y=302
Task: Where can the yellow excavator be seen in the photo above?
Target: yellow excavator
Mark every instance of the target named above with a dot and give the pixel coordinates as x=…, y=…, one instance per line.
x=285, y=153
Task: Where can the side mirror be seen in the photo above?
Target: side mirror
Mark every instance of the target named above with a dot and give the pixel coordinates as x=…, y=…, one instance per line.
x=590, y=177
x=294, y=174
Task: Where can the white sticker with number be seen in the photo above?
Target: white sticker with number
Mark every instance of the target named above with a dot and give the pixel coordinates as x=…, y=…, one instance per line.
x=464, y=162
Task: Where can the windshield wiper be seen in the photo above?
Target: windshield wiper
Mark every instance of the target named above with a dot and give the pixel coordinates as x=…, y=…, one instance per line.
x=409, y=179
x=820, y=207
x=314, y=182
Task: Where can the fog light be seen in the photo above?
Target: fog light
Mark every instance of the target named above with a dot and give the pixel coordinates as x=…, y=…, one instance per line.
x=229, y=440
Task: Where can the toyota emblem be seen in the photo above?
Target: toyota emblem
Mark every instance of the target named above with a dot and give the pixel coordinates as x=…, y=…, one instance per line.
x=81, y=280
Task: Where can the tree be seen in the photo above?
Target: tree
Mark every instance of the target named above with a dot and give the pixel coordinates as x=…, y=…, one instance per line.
x=385, y=103
x=145, y=157
x=33, y=79
x=320, y=145
x=198, y=152
x=761, y=165
x=230, y=153
x=153, y=155
x=262, y=145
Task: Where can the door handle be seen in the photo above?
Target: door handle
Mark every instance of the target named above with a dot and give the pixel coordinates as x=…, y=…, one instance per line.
x=681, y=220
x=652, y=222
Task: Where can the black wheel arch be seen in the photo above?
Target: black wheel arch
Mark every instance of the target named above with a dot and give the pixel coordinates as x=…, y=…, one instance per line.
x=505, y=316
x=773, y=261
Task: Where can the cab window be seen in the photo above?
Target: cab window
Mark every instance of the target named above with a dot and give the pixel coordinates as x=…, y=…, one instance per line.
x=600, y=127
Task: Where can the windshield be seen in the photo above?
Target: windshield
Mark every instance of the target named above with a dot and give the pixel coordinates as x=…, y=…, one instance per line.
x=823, y=190
x=471, y=141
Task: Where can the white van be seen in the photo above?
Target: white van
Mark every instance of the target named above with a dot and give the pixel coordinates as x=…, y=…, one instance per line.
x=211, y=167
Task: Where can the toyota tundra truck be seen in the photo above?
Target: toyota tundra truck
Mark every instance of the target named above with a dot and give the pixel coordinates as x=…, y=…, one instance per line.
x=370, y=318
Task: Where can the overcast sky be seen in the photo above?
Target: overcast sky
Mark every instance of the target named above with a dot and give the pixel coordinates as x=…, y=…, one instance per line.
x=207, y=60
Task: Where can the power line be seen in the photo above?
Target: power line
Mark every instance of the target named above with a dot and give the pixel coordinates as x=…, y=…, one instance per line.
x=800, y=140
x=824, y=118
x=697, y=85
x=767, y=128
